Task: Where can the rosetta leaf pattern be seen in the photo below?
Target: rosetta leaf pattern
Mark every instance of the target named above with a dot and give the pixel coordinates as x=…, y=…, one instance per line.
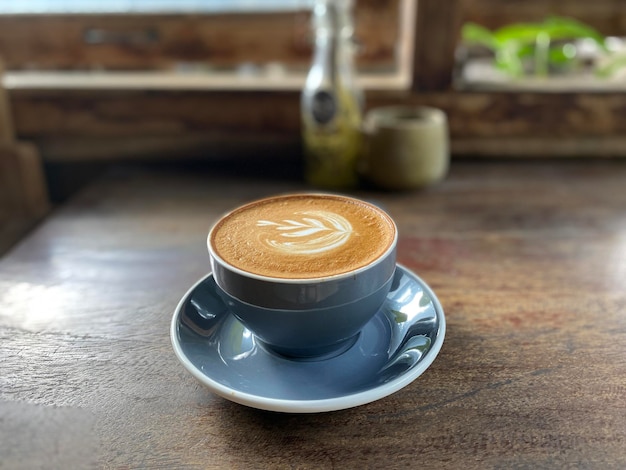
x=314, y=232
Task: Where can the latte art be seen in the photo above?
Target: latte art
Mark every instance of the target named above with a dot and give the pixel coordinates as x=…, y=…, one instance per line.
x=302, y=236
x=318, y=232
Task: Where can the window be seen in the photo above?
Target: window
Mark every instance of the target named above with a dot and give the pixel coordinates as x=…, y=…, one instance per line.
x=191, y=44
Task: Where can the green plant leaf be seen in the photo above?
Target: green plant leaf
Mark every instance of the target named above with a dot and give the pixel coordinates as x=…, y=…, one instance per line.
x=474, y=33
x=514, y=43
x=555, y=26
x=558, y=56
x=567, y=28
x=522, y=33
x=507, y=59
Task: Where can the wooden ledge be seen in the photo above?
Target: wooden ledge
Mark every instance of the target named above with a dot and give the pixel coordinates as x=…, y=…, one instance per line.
x=173, y=81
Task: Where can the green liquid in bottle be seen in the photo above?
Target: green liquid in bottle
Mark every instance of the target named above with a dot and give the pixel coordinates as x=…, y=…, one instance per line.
x=331, y=103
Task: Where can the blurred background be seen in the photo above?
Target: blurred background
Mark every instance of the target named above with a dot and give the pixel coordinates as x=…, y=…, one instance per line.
x=86, y=85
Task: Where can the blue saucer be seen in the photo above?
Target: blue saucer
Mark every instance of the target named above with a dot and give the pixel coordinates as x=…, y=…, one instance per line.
x=391, y=351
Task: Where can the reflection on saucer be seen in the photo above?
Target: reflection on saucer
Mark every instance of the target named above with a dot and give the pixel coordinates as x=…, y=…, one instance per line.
x=391, y=351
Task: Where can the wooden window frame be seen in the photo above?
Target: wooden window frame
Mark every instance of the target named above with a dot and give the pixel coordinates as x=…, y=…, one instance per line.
x=234, y=51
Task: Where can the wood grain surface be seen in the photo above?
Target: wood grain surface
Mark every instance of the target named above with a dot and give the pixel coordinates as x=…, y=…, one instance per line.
x=528, y=260
x=41, y=114
x=86, y=126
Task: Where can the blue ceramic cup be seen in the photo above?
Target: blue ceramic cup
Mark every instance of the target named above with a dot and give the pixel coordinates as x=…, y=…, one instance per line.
x=307, y=317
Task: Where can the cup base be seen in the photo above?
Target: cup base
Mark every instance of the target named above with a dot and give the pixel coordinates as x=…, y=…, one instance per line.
x=311, y=354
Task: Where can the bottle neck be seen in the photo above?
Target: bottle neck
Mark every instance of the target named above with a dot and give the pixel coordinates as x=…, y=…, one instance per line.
x=334, y=29
x=335, y=52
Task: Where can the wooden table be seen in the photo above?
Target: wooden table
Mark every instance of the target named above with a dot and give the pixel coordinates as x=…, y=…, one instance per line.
x=528, y=260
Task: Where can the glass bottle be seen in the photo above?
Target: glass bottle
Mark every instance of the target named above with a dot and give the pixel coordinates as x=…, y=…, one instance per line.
x=331, y=102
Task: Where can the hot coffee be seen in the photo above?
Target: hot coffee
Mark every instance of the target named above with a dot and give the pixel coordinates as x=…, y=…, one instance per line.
x=303, y=236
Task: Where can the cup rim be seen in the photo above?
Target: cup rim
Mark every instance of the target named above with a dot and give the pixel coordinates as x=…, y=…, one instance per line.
x=309, y=280
x=417, y=117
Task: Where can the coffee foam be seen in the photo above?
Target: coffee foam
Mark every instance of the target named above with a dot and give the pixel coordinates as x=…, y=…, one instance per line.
x=303, y=236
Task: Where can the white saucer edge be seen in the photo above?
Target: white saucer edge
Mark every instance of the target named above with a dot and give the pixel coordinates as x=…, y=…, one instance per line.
x=312, y=406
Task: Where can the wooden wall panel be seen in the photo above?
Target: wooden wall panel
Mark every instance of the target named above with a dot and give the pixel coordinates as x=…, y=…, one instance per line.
x=608, y=16
x=144, y=42
x=97, y=126
x=481, y=114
